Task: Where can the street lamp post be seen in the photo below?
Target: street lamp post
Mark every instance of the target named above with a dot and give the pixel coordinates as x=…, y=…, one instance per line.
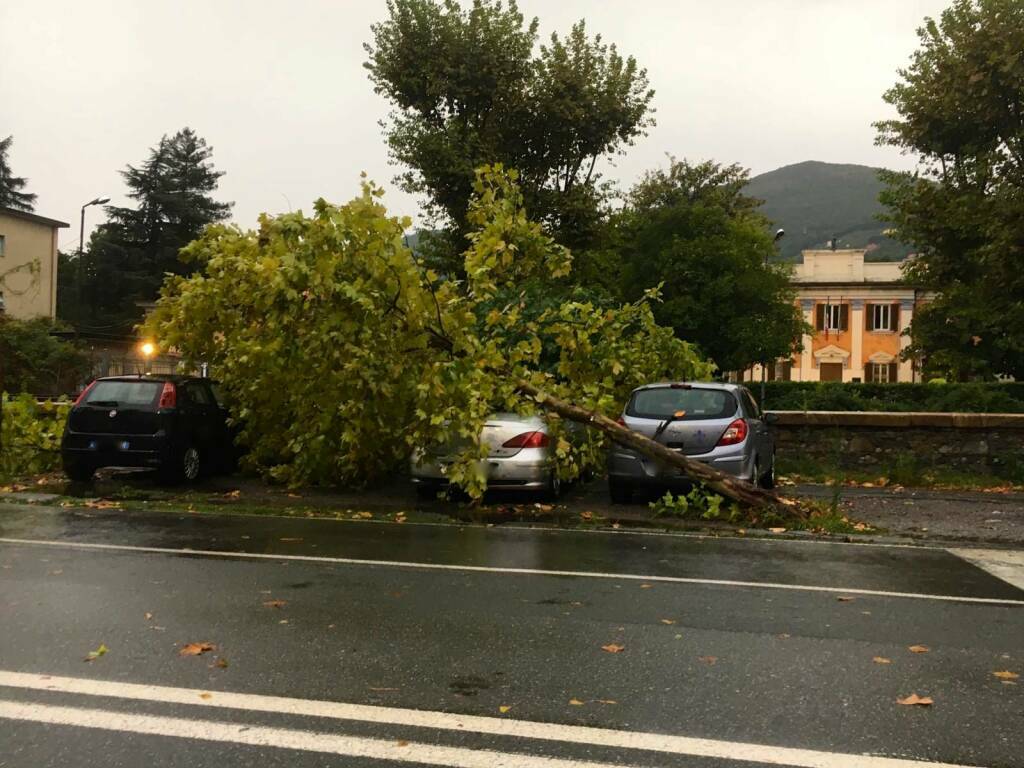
x=81, y=244
x=779, y=234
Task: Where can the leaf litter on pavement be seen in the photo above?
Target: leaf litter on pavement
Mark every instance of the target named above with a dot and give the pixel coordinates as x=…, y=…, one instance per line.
x=275, y=603
x=196, y=649
x=613, y=648
x=93, y=655
x=913, y=700
x=918, y=648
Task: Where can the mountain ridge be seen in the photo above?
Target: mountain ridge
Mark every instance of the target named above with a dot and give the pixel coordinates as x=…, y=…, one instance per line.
x=815, y=201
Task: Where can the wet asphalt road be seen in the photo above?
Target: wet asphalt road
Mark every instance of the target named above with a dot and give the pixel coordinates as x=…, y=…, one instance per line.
x=743, y=642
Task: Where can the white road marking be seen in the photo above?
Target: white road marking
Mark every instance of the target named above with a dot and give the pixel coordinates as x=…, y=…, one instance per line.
x=1005, y=564
x=519, y=571
x=314, y=741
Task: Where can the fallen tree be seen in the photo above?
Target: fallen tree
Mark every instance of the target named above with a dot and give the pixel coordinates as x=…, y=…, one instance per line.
x=726, y=485
x=340, y=353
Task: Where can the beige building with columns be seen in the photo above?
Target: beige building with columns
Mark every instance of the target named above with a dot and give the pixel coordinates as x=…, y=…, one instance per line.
x=28, y=264
x=859, y=312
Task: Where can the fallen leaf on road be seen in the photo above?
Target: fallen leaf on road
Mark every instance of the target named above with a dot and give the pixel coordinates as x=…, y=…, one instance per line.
x=914, y=700
x=383, y=690
x=294, y=496
x=1006, y=675
x=205, y=695
x=783, y=636
x=777, y=530
x=402, y=743
x=504, y=708
x=646, y=586
x=196, y=649
x=158, y=629
x=58, y=572
x=221, y=663
x=232, y=494
x=102, y=504
x=846, y=599
x=93, y=655
x=576, y=702
x=149, y=616
x=668, y=621
x=881, y=660
x=918, y=649
x=364, y=515
x=586, y=515
x=292, y=538
x=613, y=648
x=607, y=701
x=710, y=660
x=283, y=621
x=275, y=603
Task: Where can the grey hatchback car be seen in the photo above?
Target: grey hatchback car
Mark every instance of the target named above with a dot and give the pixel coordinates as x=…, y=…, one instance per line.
x=718, y=424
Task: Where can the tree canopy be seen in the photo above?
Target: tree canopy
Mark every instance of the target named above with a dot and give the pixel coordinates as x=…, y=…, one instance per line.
x=692, y=231
x=12, y=194
x=33, y=360
x=129, y=255
x=471, y=86
x=342, y=353
x=960, y=111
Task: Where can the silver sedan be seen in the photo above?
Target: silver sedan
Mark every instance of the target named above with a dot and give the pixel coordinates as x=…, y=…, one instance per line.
x=519, y=458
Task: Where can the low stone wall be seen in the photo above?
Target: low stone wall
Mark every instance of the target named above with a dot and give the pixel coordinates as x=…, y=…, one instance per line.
x=969, y=442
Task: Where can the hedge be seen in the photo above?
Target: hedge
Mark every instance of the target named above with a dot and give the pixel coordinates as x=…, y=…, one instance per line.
x=31, y=434
x=970, y=397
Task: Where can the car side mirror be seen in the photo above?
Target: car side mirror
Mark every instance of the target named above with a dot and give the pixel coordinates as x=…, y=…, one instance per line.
x=770, y=417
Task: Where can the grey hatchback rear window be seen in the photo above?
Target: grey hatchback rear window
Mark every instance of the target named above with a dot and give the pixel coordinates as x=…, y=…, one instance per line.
x=124, y=393
x=698, y=403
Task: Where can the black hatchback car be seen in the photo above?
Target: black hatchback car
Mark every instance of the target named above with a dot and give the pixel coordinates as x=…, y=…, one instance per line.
x=175, y=424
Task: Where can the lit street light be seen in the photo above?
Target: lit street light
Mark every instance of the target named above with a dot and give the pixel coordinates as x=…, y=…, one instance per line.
x=148, y=350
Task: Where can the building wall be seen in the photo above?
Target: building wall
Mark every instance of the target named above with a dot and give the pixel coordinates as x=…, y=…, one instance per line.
x=27, y=295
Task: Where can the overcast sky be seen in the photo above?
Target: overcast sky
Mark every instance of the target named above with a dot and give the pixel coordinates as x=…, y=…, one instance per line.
x=278, y=88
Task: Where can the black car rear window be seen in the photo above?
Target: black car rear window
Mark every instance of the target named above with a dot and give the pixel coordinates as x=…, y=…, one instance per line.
x=122, y=394
x=698, y=403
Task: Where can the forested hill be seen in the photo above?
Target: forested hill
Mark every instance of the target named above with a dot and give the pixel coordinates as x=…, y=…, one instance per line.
x=815, y=202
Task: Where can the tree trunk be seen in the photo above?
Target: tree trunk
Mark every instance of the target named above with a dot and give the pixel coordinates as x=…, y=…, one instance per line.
x=726, y=485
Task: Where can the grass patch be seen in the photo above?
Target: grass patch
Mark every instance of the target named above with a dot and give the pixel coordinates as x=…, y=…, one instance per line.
x=905, y=471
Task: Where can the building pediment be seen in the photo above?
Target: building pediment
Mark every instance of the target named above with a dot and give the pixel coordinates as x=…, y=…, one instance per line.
x=831, y=354
x=882, y=357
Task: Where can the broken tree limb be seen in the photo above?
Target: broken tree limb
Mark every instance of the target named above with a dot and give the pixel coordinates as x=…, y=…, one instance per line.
x=727, y=485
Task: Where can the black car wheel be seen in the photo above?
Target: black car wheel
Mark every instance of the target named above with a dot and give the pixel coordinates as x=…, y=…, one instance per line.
x=620, y=491
x=767, y=480
x=191, y=464
x=79, y=473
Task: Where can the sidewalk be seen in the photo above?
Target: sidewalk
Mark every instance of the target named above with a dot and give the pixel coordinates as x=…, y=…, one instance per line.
x=902, y=514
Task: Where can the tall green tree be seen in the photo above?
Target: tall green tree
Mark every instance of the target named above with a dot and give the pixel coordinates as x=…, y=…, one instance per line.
x=692, y=230
x=130, y=254
x=961, y=112
x=12, y=194
x=470, y=86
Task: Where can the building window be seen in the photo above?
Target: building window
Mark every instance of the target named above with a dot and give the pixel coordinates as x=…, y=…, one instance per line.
x=833, y=317
x=882, y=317
x=881, y=373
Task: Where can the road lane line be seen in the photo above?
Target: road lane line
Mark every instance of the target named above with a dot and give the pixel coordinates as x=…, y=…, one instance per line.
x=1005, y=564
x=525, y=729
x=493, y=569
x=285, y=738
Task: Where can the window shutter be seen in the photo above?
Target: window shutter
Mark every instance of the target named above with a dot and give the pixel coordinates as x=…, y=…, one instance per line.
x=893, y=372
x=895, y=315
x=844, y=317
x=820, y=320
x=869, y=373
x=787, y=371
x=869, y=318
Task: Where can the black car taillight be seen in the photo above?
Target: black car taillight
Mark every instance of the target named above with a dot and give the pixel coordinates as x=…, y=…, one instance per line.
x=169, y=396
